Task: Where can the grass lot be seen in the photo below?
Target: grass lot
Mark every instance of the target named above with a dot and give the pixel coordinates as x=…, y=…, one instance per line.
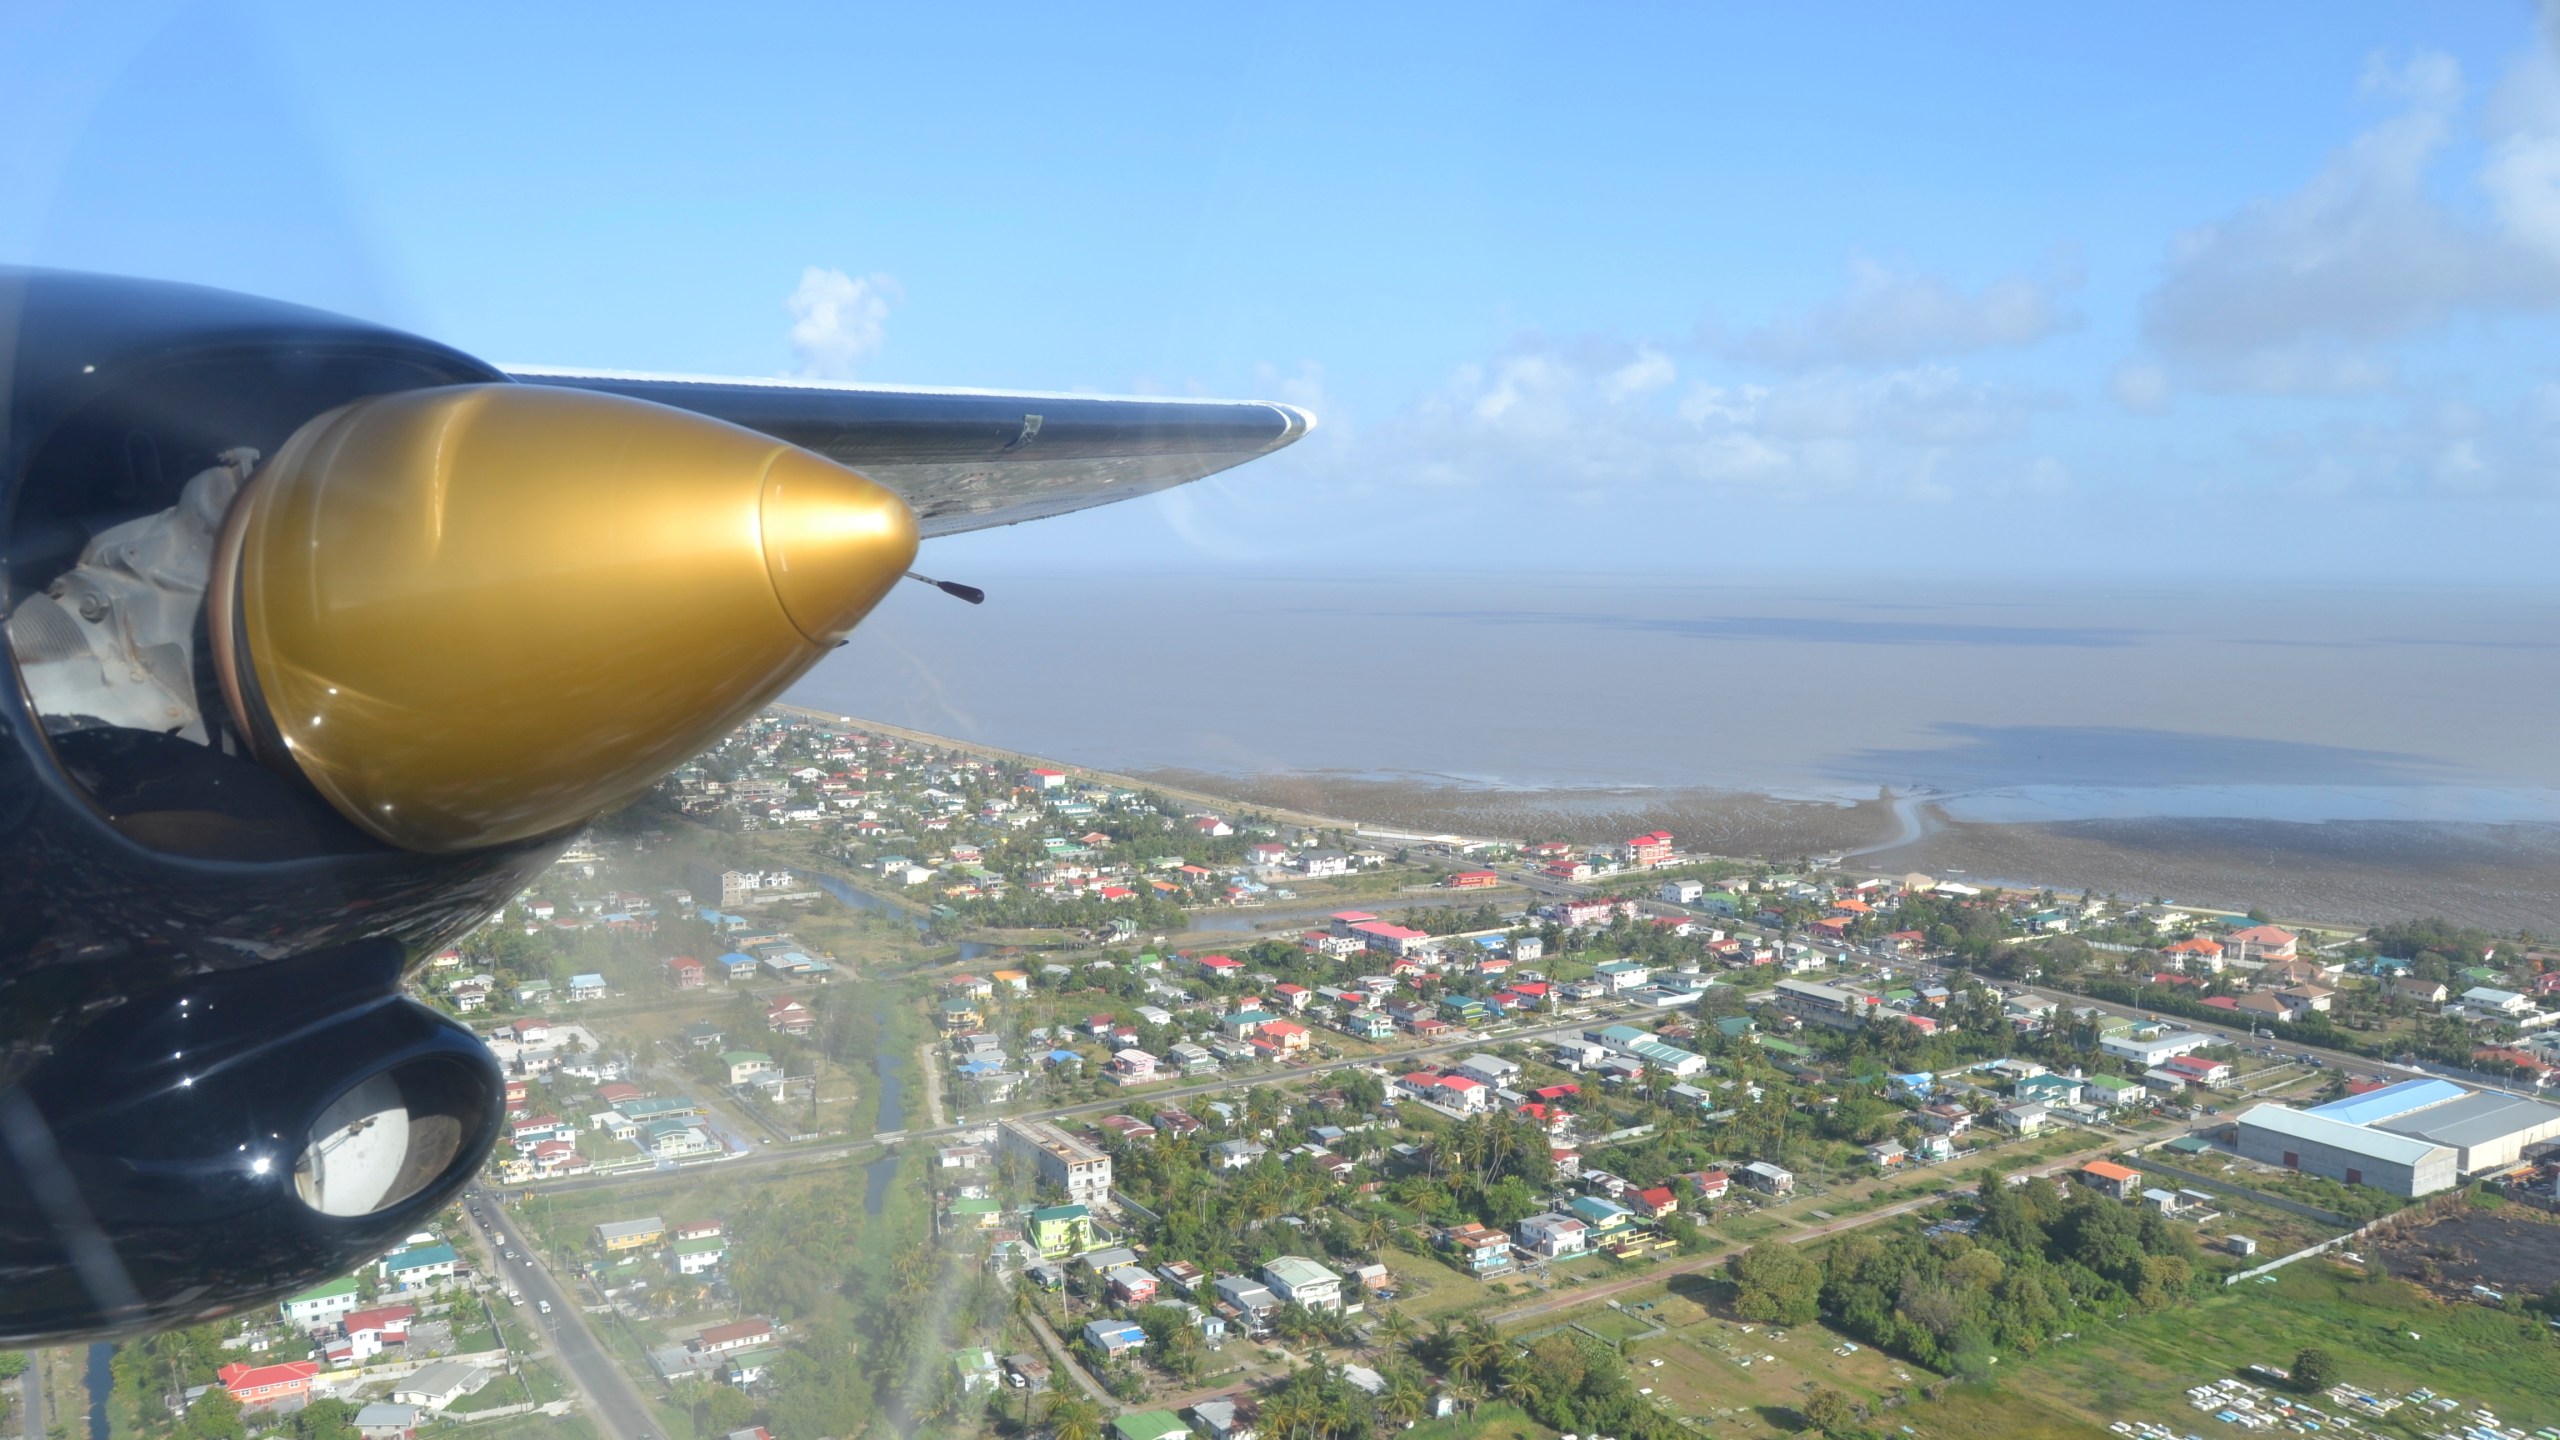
x=523, y=1427
x=1737, y=1380
x=1500, y=1421
x=1427, y=1289
x=2140, y=1368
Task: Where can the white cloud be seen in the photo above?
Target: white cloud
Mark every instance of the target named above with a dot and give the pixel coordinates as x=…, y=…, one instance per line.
x=2299, y=294
x=838, y=321
x=1889, y=316
x=1587, y=421
x=2448, y=449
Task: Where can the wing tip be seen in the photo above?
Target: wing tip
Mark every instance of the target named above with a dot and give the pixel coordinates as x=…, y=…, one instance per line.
x=1298, y=423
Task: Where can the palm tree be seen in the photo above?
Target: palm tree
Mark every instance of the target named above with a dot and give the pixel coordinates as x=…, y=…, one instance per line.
x=1283, y=1414
x=1071, y=1417
x=1523, y=1391
x=1397, y=1328
x=1405, y=1400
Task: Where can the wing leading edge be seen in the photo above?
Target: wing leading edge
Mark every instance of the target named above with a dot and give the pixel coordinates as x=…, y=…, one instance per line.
x=975, y=459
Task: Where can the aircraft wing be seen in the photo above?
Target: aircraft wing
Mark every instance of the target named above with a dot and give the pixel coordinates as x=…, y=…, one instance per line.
x=976, y=459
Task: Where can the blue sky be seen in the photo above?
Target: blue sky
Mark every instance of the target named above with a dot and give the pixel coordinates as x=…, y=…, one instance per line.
x=1683, y=290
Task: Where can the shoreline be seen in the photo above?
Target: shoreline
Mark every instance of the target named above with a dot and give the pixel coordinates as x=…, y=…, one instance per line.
x=2501, y=876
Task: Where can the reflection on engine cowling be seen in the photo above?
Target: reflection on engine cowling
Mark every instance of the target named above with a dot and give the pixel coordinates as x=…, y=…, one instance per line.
x=384, y=1140
x=112, y=643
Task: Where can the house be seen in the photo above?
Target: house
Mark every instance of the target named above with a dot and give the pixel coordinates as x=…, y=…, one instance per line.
x=685, y=973
x=2299, y=1000
x=2199, y=1070
x=747, y=1066
x=2262, y=942
x=748, y=1334
x=1480, y=1250
x=1223, y=1420
x=790, y=1017
x=321, y=1304
x=2053, y=1090
x=2026, y=1119
x=614, y=1236
x=1301, y=1281
x=1655, y=1203
x=1062, y=1229
x=438, y=1384
x=1115, y=1338
x=1149, y=1425
x=2494, y=1001
x=695, y=1256
x=382, y=1420
x=1237, y=1154
x=1887, y=1154
x=2424, y=992
x=1709, y=1185
x=1768, y=1179
x=1251, y=1302
x=368, y=1331
x=586, y=987
x=2197, y=954
x=1554, y=1237
x=420, y=1267
x=2112, y=1180
x=258, y=1387
x=1131, y=1285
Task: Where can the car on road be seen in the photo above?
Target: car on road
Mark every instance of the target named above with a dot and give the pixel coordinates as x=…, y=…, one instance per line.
x=545, y=1304
x=511, y=1254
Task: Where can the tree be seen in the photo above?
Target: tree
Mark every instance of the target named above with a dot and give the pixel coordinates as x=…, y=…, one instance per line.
x=1831, y=1412
x=1071, y=1417
x=2314, y=1370
x=1779, y=1284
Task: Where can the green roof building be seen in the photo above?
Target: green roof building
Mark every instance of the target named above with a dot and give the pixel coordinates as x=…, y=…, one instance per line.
x=1062, y=1230
x=1149, y=1425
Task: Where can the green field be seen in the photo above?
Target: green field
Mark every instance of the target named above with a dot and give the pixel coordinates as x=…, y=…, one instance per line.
x=1745, y=1381
x=2140, y=1369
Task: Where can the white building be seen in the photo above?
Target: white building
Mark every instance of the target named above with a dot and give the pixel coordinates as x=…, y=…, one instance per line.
x=2148, y=1053
x=1554, y=1237
x=1301, y=1281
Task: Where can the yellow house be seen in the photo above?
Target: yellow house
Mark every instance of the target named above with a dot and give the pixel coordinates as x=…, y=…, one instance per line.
x=616, y=1235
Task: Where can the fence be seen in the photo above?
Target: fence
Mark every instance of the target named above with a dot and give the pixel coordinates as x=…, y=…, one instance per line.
x=2357, y=1233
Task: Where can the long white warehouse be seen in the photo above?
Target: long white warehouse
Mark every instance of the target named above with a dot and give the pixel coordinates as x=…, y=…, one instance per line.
x=2352, y=1154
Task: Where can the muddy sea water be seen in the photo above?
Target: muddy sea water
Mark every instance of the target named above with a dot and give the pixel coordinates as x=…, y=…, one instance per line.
x=2197, y=696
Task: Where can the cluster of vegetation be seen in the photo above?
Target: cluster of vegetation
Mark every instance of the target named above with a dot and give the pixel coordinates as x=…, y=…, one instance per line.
x=1564, y=1380
x=2037, y=1263
x=877, y=1309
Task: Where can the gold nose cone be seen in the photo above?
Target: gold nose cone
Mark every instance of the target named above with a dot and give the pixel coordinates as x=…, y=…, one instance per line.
x=823, y=526
x=479, y=614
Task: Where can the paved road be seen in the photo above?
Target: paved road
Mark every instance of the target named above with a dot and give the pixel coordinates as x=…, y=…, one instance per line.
x=31, y=1397
x=1580, y=1296
x=611, y=1399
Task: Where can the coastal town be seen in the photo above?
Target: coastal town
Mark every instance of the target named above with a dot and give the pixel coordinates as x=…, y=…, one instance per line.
x=864, y=1083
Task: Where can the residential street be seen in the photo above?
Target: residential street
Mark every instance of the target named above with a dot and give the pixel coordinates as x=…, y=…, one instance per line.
x=606, y=1390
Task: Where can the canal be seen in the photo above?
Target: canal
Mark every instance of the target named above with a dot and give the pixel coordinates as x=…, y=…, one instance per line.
x=877, y=1175
x=862, y=899
x=101, y=1382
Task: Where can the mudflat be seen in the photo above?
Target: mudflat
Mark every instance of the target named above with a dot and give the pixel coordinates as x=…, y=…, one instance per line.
x=2501, y=876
